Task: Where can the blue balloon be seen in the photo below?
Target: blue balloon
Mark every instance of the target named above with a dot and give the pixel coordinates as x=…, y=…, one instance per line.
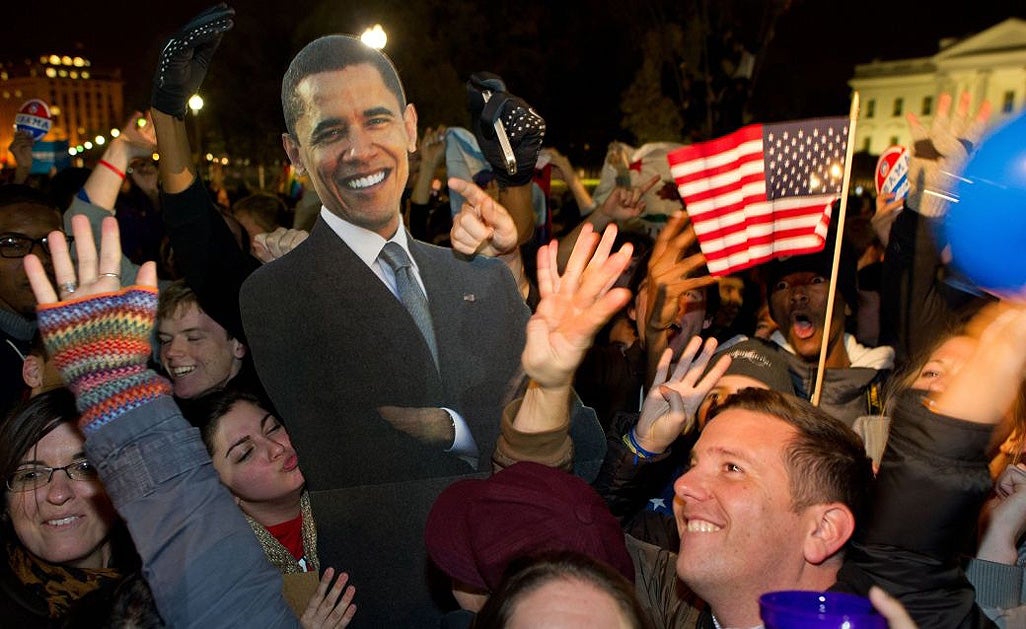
x=986, y=228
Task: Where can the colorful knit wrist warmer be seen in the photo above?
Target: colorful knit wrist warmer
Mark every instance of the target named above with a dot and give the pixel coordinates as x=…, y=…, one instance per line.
x=100, y=346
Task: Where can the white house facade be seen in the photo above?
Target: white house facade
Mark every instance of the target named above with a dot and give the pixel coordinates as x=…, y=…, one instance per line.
x=990, y=65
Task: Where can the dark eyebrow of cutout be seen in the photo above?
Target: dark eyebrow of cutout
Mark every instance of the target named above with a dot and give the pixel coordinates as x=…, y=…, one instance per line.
x=325, y=124
x=263, y=421
x=378, y=111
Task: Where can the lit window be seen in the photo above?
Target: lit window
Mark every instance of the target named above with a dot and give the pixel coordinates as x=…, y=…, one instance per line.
x=1008, y=104
x=927, y=105
x=899, y=106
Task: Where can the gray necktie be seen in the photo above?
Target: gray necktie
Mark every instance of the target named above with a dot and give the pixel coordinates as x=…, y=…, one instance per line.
x=410, y=293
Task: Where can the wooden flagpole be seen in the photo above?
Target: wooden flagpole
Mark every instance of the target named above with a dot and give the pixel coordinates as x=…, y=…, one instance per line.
x=838, y=219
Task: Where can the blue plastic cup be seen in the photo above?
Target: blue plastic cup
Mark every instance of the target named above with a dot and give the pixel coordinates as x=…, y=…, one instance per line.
x=795, y=609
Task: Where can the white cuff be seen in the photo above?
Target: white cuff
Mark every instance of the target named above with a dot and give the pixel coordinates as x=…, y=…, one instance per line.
x=463, y=445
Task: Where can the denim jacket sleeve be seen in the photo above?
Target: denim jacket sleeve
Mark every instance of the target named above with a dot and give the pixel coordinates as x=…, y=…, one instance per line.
x=200, y=557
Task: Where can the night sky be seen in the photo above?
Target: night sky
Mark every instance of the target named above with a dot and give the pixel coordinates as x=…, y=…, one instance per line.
x=809, y=61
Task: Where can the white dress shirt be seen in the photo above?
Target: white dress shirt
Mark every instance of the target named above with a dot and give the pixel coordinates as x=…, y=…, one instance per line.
x=367, y=246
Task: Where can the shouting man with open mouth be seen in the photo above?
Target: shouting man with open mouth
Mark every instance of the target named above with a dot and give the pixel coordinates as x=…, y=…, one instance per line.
x=798, y=289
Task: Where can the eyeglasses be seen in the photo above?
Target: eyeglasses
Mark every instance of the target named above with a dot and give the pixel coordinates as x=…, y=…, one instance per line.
x=15, y=245
x=36, y=476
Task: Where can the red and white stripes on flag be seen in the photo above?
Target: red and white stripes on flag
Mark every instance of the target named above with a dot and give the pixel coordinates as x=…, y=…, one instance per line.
x=762, y=192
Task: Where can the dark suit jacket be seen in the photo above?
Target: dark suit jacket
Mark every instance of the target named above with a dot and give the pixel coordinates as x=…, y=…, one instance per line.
x=331, y=344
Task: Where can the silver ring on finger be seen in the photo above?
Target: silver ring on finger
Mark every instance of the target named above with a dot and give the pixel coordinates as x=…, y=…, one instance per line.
x=69, y=287
x=116, y=276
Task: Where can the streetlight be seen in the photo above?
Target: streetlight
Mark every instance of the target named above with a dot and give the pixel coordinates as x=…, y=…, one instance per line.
x=196, y=104
x=374, y=37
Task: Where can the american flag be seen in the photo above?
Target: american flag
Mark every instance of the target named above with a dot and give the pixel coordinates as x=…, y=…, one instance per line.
x=762, y=192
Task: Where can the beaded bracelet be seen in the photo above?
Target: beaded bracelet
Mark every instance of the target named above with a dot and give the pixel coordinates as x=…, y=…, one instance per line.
x=631, y=441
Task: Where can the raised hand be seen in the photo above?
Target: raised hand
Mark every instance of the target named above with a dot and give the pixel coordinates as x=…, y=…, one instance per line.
x=138, y=135
x=21, y=147
x=627, y=203
x=185, y=58
x=273, y=245
x=97, y=333
x=330, y=608
x=671, y=406
x=564, y=170
x=987, y=385
x=887, y=209
x=95, y=274
x=432, y=147
x=482, y=226
x=508, y=130
x=1006, y=517
x=573, y=306
x=939, y=154
x=670, y=274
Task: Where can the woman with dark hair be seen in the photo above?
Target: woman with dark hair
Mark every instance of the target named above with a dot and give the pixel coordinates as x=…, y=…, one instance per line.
x=562, y=589
x=65, y=549
x=255, y=460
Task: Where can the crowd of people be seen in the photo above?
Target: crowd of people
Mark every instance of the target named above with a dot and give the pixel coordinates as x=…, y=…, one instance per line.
x=435, y=401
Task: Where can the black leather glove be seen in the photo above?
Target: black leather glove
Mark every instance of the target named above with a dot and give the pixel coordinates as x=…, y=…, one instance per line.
x=509, y=132
x=185, y=58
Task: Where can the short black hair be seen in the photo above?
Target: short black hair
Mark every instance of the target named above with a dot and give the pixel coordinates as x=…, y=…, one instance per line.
x=326, y=54
x=15, y=193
